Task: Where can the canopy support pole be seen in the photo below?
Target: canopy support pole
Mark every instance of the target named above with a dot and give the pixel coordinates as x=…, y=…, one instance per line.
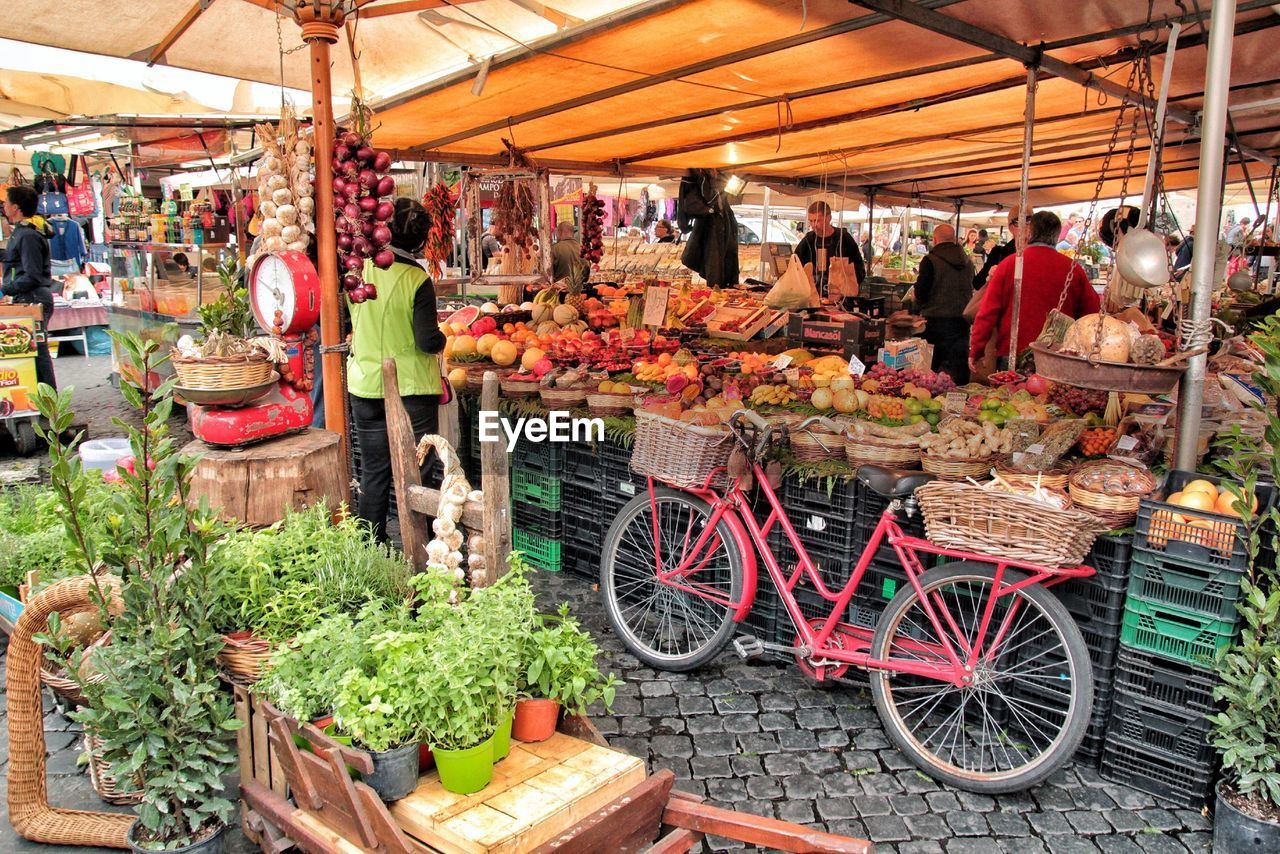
x=1213, y=133
x=320, y=24
x=1028, y=131
x=871, y=228
x=764, y=234
x=1157, y=131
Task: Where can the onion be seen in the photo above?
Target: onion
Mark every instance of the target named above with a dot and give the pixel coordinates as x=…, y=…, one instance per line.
x=365, y=154
x=370, y=292
x=368, y=204
x=361, y=246
x=357, y=294
x=366, y=228
x=381, y=236
x=351, y=210
x=351, y=139
x=384, y=259
x=341, y=153
x=367, y=178
x=339, y=186
x=384, y=212
x=386, y=185
x=350, y=280
x=351, y=169
x=381, y=161
x=353, y=263
x=344, y=242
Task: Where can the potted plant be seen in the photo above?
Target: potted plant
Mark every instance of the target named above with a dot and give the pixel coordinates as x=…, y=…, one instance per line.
x=1247, y=731
x=460, y=709
x=163, y=724
x=560, y=671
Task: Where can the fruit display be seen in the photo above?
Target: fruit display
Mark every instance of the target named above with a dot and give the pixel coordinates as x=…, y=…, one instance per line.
x=1113, y=478
x=1095, y=441
x=772, y=394
x=961, y=439
x=1077, y=401
x=362, y=206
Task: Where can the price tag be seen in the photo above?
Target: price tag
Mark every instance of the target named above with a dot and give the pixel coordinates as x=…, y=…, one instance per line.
x=856, y=368
x=1126, y=443
x=782, y=362
x=955, y=401
x=1019, y=458
x=1034, y=449
x=655, y=306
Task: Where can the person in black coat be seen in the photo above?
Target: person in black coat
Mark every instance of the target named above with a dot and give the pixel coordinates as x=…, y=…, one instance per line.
x=26, y=266
x=823, y=242
x=1002, y=251
x=710, y=228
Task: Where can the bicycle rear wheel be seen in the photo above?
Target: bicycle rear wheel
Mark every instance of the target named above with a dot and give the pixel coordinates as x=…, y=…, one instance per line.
x=665, y=627
x=1027, y=707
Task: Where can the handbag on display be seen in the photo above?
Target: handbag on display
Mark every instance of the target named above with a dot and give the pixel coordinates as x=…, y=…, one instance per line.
x=80, y=198
x=52, y=204
x=49, y=181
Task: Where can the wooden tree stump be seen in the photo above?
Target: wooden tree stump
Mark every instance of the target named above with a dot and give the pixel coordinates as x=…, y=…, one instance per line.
x=255, y=485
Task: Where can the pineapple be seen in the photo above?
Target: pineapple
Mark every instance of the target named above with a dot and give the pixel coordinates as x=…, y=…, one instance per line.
x=574, y=295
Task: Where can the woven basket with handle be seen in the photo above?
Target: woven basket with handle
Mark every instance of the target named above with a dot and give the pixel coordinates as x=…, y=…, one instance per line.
x=219, y=373
x=612, y=404
x=1115, y=509
x=245, y=656
x=676, y=452
x=815, y=444
x=868, y=450
x=100, y=776
x=947, y=468
x=963, y=516
x=563, y=398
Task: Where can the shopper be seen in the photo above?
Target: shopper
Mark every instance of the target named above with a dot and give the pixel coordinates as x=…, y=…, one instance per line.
x=823, y=242
x=970, y=241
x=26, y=266
x=400, y=324
x=943, y=288
x=1237, y=233
x=490, y=246
x=1046, y=274
x=663, y=232
x=566, y=254
x=1002, y=251
x=1182, y=260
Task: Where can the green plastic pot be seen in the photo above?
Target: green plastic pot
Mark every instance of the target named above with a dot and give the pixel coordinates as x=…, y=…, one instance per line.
x=502, y=736
x=465, y=771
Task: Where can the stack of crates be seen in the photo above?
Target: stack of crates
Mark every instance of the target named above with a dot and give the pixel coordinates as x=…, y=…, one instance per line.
x=537, y=518
x=1180, y=612
x=598, y=482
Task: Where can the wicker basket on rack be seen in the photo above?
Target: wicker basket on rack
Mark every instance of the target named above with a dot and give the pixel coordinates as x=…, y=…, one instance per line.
x=605, y=405
x=816, y=444
x=222, y=372
x=477, y=370
x=59, y=680
x=244, y=656
x=100, y=776
x=956, y=469
x=1055, y=478
x=563, y=398
x=518, y=385
x=1116, y=507
x=1000, y=524
x=677, y=452
x=874, y=451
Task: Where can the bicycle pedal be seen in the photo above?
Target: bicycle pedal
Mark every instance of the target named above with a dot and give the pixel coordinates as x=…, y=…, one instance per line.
x=748, y=647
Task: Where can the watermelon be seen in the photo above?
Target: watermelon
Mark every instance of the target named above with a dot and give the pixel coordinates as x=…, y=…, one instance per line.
x=466, y=315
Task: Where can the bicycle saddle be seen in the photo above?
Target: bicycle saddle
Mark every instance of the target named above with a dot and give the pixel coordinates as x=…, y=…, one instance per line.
x=892, y=483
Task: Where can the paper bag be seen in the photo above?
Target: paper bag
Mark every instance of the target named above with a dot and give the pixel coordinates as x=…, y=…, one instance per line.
x=842, y=279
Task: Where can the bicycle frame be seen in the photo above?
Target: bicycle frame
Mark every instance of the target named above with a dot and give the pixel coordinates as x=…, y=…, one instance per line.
x=830, y=640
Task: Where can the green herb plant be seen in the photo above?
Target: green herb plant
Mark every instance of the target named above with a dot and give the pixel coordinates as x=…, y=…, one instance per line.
x=1247, y=732
x=230, y=313
x=164, y=724
x=561, y=665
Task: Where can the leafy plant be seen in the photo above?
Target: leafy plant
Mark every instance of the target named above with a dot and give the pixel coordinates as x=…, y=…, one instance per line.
x=1247, y=733
x=165, y=726
x=34, y=536
x=230, y=314
x=561, y=665
x=380, y=706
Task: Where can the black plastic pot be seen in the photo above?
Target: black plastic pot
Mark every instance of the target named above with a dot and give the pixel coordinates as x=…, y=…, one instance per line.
x=1235, y=832
x=213, y=844
x=395, y=772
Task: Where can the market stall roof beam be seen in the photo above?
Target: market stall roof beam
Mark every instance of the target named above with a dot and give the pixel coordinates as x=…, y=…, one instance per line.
x=926, y=18
x=157, y=53
x=831, y=30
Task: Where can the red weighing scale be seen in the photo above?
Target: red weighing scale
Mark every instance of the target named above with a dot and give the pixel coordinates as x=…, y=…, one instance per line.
x=284, y=291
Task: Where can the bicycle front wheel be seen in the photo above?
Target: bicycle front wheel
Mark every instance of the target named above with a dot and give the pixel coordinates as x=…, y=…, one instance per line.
x=1030, y=695
x=665, y=627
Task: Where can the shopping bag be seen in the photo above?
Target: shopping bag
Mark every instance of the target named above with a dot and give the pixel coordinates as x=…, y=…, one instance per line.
x=80, y=198
x=842, y=279
x=52, y=204
x=793, y=290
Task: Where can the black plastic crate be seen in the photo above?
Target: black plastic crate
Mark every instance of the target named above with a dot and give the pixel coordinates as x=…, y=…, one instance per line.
x=1183, y=733
x=820, y=533
x=1225, y=545
x=581, y=560
x=1110, y=556
x=546, y=458
x=549, y=524
x=584, y=465
x=1090, y=748
x=1093, y=606
x=1166, y=681
x=619, y=481
x=1194, y=586
x=766, y=612
x=1149, y=769
x=837, y=498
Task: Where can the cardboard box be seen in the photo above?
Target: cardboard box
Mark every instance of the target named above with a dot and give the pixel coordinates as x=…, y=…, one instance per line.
x=21, y=327
x=907, y=353
x=851, y=337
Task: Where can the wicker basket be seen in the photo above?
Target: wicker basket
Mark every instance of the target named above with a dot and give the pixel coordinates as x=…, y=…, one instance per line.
x=513, y=387
x=963, y=516
x=676, y=452
x=217, y=374
x=946, y=468
x=1116, y=510
x=872, y=451
x=245, y=656
x=816, y=444
x=100, y=776
x=563, y=398
x=605, y=405
x=1055, y=478
x=477, y=370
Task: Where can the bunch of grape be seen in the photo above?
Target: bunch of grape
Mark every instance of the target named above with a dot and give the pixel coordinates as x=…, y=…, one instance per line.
x=935, y=382
x=1077, y=401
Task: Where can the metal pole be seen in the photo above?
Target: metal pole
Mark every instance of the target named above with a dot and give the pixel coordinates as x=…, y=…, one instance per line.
x=1213, y=131
x=1028, y=128
x=1157, y=139
x=871, y=226
x=319, y=33
x=764, y=235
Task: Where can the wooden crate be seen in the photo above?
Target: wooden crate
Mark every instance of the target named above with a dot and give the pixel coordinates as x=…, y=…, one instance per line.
x=539, y=791
x=257, y=757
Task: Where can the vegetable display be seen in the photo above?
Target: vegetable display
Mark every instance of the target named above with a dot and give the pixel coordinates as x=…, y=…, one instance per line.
x=592, y=227
x=286, y=198
x=441, y=206
x=362, y=206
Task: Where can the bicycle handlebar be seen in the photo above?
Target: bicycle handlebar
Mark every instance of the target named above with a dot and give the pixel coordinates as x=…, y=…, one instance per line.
x=824, y=421
x=764, y=428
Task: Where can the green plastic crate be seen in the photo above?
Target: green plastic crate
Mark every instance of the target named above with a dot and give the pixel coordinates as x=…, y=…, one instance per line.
x=1208, y=591
x=1174, y=632
x=537, y=489
x=539, y=552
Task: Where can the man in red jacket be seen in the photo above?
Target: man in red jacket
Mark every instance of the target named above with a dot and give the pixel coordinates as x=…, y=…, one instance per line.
x=1049, y=280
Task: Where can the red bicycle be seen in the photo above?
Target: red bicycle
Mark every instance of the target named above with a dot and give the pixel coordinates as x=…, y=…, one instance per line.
x=978, y=672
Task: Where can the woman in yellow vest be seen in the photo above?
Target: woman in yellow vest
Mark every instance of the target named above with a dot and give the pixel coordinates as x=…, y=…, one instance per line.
x=401, y=324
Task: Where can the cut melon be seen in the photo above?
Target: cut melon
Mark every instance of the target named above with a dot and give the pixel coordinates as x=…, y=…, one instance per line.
x=464, y=316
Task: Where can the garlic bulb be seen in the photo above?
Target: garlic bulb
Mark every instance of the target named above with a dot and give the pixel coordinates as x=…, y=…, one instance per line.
x=271, y=227
x=298, y=246
x=476, y=495
x=479, y=578
x=307, y=205
x=291, y=233
x=460, y=575
x=302, y=188
x=476, y=543
x=282, y=196
x=453, y=560
x=443, y=527
x=302, y=148
x=287, y=214
x=437, y=551
x=454, y=540
x=475, y=561
x=268, y=209
x=274, y=243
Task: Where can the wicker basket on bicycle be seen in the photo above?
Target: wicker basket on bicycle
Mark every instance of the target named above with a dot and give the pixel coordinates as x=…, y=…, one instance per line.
x=1004, y=525
x=677, y=452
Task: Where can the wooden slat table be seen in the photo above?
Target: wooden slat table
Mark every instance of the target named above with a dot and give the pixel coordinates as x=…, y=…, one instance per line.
x=539, y=791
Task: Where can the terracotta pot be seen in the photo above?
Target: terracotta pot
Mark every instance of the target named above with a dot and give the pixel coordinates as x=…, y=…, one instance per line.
x=321, y=722
x=535, y=720
x=426, y=759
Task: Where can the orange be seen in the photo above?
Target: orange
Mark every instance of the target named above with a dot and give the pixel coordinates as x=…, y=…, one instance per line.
x=1193, y=500
x=664, y=359
x=1164, y=524
x=1202, y=485
x=1226, y=504
x=1216, y=535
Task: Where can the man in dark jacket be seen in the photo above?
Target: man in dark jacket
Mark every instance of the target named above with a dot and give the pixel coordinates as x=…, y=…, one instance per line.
x=1003, y=251
x=26, y=266
x=823, y=242
x=943, y=288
